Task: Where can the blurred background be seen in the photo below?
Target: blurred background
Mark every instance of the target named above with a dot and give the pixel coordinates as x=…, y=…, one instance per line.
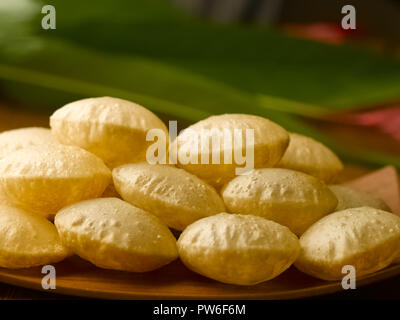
x=288, y=60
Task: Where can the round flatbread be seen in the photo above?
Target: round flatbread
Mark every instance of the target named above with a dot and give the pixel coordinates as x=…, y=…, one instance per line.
x=177, y=197
x=364, y=238
x=113, y=129
x=293, y=199
x=48, y=177
x=27, y=240
x=113, y=234
x=238, y=249
x=349, y=197
x=14, y=140
x=269, y=143
x=310, y=156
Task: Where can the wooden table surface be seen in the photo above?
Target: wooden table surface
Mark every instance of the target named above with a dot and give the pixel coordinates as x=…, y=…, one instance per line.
x=11, y=118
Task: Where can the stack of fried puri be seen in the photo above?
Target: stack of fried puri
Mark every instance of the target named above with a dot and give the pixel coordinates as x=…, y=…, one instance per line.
x=89, y=173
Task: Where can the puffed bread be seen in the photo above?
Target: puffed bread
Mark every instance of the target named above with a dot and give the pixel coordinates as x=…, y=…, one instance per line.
x=238, y=249
x=293, y=199
x=14, y=140
x=349, y=197
x=113, y=129
x=177, y=197
x=310, y=156
x=366, y=238
x=113, y=234
x=27, y=240
x=270, y=142
x=46, y=178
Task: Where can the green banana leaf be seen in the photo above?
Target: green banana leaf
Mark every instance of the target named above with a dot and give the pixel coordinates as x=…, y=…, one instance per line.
x=185, y=68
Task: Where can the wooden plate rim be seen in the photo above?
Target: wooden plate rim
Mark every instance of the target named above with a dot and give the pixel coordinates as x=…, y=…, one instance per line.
x=329, y=287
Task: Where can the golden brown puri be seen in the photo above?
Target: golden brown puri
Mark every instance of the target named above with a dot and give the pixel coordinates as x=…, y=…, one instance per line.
x=291, y=198
x=113, y=129
x=3, y=199
x=270, y=142
x=238, y=249
x=27, y=240
x=113, y=234
x=365, y=238
x=45, y=171
x=177, y=197
x=46, y=178
x=14, y=140
x=349, y=197
x=310, y=156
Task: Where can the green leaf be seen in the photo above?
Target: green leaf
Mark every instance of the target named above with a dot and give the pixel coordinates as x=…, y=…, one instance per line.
x=187, y=68
x=84, y=88
x=251, y=60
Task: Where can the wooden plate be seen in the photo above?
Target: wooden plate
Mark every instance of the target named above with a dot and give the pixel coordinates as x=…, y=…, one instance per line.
x=78, y=277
